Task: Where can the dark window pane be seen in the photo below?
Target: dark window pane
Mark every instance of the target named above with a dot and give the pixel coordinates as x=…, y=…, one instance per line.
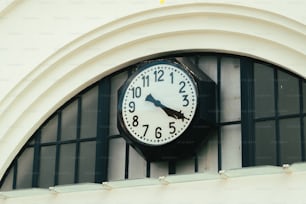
x=116, y=165
x=89, y=113
x=67, y=164
x=265, y=145
x=87, y=162
x=32, y=140
x=264, y=91
x=288, y=89
x=8, y=183
x=49, y=131
x=208, y=65
x=290, y=141
x=25, y=167
x=69, y=122
x=230, y=89
x=47, y=166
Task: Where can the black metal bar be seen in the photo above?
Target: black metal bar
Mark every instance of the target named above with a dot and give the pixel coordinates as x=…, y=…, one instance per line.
x=302, y=119
x=219, y=112
x=127, y=146
x=15, y=174
x=276, y=110
x=196, y=159
x=102, y=130
x=247, y=112
x=172, y=167
x=68, y=141
x=114, y=136
x=280, y=117
x=36, y=160
x=148, y=169
x=58, y=139
x=237, y=122
x=127, y=160
x=196, y=163
x=78, y=136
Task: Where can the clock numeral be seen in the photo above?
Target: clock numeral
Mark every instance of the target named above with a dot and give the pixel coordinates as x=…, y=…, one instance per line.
x=172, y=127
x=131, y=106
x=158, y=133
x=146, y=130
x=159, y=75
x=172, y=77
x=185, y=100
x=135, y=121
x=146, y=81
x=182, y=84
x=136, y=92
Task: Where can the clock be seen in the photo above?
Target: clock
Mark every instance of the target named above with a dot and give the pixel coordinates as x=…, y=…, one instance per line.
x=157, y=107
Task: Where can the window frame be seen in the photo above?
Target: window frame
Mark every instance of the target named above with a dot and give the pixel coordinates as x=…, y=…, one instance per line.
x=247, y=123
x=248, y=111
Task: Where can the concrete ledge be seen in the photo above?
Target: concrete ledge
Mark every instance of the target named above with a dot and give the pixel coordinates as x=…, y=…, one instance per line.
x=255, y=175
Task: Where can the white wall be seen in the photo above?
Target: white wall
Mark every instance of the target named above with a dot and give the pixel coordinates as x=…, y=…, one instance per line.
x=52, y=49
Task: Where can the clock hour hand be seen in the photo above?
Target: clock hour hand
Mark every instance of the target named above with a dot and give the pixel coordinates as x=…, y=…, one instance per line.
x=170, y=112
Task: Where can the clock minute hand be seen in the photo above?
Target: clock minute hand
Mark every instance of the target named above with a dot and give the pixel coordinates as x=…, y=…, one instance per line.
x=170, y=112
x=175, y=114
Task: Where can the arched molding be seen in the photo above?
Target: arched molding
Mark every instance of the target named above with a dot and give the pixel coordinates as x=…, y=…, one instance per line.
x=7, y=5
x=188, y=27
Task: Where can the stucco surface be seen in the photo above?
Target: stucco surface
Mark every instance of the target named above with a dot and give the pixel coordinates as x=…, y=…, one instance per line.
x=52, y=49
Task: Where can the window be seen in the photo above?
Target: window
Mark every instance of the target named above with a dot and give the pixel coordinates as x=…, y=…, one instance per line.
x=260, y=121
x=63, y=150
x=277, y=124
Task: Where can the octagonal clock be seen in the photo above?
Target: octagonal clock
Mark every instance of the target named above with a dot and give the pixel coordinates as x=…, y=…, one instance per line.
x=165, y=109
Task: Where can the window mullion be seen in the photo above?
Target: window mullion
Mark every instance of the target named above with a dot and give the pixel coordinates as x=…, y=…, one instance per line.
x=102, y=131
x=277, y=133
x=36, y=161
x=78, y=136
x=127, y=160
x=247, y=112
x=219, y=112
x=58, y=140
x=302, y=119
x=15, y=166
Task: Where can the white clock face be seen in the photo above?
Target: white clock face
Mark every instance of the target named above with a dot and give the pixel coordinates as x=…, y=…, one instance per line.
x=159, y=104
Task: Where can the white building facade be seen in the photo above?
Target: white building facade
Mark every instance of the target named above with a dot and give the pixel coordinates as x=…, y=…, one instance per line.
x=62, y=63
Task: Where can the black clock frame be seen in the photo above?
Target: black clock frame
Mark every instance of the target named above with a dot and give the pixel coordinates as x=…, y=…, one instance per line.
x=198, y=130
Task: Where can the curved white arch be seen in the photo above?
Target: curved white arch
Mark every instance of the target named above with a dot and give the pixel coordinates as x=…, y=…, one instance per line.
x=199, y=26
x=7, y=5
